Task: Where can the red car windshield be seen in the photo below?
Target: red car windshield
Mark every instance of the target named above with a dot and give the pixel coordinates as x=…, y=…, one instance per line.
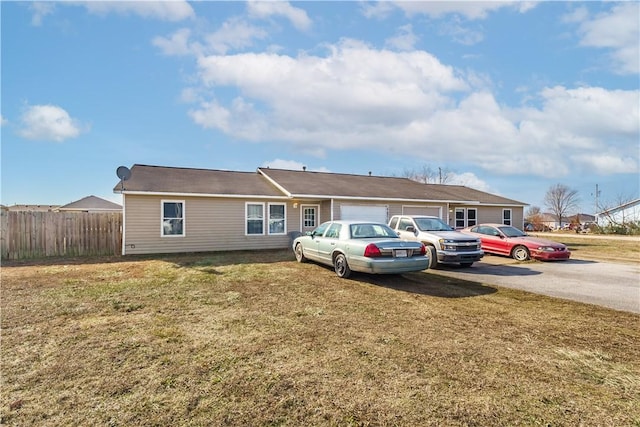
x=511, y=231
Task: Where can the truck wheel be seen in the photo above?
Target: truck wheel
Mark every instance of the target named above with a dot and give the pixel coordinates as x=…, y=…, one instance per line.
x=433, y=257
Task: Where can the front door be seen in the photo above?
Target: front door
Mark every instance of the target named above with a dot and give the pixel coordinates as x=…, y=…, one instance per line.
x=309, y=220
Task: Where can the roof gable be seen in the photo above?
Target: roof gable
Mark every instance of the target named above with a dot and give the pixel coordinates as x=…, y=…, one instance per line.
x=91, y=203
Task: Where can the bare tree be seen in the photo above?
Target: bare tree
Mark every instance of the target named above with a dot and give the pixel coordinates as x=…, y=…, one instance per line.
x=533, y=211
x=561, y=199
x=427, y=175
x=624, y=217
x=534, y=217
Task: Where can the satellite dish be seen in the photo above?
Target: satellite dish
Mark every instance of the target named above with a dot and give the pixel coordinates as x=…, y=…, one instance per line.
x=123, y=172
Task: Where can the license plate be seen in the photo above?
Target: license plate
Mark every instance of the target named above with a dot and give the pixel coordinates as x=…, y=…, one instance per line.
x=401, y=253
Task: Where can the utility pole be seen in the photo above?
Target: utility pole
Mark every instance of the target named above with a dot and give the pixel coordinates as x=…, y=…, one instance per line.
x=596, y=195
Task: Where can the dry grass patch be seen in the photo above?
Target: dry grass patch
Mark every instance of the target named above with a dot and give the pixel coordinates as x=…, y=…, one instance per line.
x=258, y=339
x=599, y=247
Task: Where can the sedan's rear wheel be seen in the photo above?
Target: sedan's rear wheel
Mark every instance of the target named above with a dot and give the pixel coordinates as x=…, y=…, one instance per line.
x=520, y=253
x=341, y=267
x=300, y=253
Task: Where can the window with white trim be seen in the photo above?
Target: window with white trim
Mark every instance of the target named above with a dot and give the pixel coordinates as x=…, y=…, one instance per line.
x=460, y=218
x=472, y=217
x=506, y=216
x=277, y=224
x=254, y=214
x=172, y=218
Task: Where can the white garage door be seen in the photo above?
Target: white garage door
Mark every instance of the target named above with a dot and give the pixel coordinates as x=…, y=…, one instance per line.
x=364, y=213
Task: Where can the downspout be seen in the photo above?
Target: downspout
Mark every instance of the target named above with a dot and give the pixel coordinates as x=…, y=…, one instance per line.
x=331, y=209
x=124, y=209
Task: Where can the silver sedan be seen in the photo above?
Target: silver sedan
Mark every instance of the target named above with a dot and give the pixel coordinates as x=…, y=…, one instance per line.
x=360, y=246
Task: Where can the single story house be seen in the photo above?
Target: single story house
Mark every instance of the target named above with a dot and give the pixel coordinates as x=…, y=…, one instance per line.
x=172, y=209
x=623, y=214
x=91, y=204
x=86, y=204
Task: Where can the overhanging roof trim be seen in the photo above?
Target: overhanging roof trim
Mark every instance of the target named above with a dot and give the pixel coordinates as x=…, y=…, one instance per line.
x=381, y=199
x=275, y=184
x=222, y=196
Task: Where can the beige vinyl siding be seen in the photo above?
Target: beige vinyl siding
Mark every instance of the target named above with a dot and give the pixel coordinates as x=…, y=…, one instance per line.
x=493, y=214
x=432, y=210
x=210, y=224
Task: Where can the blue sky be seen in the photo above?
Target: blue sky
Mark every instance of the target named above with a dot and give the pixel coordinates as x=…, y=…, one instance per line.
x=505, y=97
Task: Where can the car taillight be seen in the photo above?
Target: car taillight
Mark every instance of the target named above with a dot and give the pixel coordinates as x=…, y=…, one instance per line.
x=372, y=251
x=423, y=249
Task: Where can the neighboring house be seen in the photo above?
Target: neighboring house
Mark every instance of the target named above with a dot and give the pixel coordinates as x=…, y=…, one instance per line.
x=33, y=208
x=582, y=219
x=86, y=204
x=623, y=214
x=91, y=204
x=169, y=209
x=551, y=220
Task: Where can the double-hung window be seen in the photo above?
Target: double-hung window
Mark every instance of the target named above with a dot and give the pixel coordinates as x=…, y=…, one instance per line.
x=460, y=218
x=277, y=223
x=506, y=216
x=472, y=217
x=259, y=222
x=254, y=214
x=173, y=218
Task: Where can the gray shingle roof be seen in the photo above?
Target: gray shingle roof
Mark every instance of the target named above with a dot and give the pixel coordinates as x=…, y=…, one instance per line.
x=269, y=182
x=160, y=179
x=306, y=183
x=91, y=203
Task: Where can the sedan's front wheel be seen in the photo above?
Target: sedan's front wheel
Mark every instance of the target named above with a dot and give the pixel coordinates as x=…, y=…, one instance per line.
x=300, y=253
x=520, y=253
x=341, y=267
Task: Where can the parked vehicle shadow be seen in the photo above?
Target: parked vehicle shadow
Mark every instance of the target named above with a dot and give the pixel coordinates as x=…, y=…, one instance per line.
x=425, y=283
x=493, y=270
x=196, y=259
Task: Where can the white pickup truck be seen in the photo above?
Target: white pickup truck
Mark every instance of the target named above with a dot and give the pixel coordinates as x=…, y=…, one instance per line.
x=445, y=245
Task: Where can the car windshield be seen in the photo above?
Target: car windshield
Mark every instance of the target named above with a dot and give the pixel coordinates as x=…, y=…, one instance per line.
x=432, y=224
x=367, y=231
x=511, y=231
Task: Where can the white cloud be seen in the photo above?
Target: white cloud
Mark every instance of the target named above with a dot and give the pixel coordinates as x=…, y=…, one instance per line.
x=40, y=10
x=405, y=39
x=471, y=10
x=3, y=121
x=234, y=33
x=266, y=9
x=49, y=123
x=469, y=179
x=606, y=164
x=284, y=164
x=618, y=30
x=168, y=10
x=410, y=104
x=177, y=43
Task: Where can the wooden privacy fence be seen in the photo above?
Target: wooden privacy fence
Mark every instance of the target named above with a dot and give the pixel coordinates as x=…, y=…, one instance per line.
x=28, y=234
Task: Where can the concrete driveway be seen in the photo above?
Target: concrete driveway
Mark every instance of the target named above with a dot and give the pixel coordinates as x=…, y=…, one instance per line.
x=606, y=284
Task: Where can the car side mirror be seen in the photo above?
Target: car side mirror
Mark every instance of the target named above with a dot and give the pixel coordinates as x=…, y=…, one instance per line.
x=410, y=228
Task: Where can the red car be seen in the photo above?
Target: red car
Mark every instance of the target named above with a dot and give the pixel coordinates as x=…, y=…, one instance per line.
x=507, y=240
